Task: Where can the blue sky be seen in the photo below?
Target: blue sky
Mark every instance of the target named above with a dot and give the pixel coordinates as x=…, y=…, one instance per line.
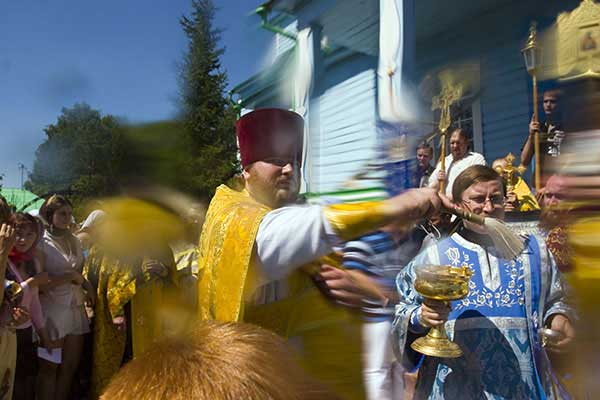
x=118, y=56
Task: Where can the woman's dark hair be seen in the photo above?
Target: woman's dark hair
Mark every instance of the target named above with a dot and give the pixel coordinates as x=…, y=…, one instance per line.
x=425, y=146
x=51, y=205
x=23, y=220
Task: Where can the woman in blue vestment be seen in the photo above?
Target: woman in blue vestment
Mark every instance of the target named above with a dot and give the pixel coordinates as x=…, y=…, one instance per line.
x=497, y=324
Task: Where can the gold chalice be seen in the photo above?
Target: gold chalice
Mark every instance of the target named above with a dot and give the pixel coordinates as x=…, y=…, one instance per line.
x=445, y=283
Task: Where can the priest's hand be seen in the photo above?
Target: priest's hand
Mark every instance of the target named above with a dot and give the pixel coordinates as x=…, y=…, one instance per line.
x=434, y=313
x=539, y=196
x=340, y=286
x=349, y=287
x=413, y=205
x=561, y=323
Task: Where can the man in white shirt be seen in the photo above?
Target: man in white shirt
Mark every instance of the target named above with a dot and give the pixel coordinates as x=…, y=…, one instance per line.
x=459, y=159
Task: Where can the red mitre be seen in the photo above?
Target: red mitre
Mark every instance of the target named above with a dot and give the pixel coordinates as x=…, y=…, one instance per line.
x=270, y=133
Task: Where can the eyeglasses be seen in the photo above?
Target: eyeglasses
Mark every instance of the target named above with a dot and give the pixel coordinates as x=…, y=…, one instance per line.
x=496, y=200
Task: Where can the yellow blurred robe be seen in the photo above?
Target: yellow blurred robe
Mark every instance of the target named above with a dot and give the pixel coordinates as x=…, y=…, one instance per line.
x=151, y=306
x=134, y=227
x=116, y=286
x=327, y=336
x=584, y=239
x=119, y=283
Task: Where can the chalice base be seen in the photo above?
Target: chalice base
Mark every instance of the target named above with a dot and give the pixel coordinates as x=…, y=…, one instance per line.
x=436, y=344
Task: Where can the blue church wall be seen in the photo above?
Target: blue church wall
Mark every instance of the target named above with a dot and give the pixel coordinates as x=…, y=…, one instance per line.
x=495, y=40
x=343, y=107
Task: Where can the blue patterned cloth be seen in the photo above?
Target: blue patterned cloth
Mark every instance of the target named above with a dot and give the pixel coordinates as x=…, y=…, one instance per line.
x=495, y=325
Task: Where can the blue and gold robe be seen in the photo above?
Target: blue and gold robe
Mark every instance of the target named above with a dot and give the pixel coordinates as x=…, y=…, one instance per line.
x=496, y=325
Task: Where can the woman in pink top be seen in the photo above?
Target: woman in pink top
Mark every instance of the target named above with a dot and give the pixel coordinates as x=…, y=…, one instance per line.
x=25, y=268
x=63, y=300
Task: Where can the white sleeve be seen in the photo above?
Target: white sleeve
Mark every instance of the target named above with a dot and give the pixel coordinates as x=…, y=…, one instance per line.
x=479, y=159
x=433, y=179
x=290, y=237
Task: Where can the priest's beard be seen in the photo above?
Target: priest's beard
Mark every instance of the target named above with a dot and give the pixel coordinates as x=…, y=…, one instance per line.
x=271, y=190
x=551, y=218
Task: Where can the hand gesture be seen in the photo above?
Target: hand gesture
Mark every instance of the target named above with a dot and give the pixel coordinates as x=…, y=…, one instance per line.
x=91, y=298
x=7, y=239
x=539, y=196
x=534, y=127
x=156, y=268
x=561, y=323
x=442, y=175
x=49, y=345
x=434, y=313
x=120, y=323
x=348, y=287
x=77, y=278
x=19, y=316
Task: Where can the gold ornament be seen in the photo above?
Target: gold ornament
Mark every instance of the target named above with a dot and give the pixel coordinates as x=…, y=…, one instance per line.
x=572, y=44
x=445, y=283
x=450, y=93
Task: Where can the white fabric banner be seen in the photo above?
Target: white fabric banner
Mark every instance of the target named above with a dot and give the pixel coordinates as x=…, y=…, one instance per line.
x=389, y=73
x=303, y=83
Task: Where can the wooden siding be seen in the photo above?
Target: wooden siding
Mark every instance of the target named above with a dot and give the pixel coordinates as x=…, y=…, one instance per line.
x=284, y=43
x=505, y=101
x=346, y=139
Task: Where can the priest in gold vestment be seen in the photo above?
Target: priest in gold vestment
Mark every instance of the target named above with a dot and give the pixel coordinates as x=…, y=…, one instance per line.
x=516, y=187
x=259, y=249
x=133, y=271
x=115, y=286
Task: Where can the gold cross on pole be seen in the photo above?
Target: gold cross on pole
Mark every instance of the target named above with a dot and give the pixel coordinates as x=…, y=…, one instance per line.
x=449, y=94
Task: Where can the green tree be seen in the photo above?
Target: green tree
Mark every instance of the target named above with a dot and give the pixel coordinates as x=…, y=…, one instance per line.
x=81, y=153
x=207, y=116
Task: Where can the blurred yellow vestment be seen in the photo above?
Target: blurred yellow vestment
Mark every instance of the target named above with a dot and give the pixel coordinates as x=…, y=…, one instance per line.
x=327, y=336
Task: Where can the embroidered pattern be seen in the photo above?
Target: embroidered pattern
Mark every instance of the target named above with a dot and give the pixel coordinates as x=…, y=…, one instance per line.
x=508, y=294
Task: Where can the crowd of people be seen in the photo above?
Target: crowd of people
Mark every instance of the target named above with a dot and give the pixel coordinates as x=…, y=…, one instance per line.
x=313, y=301
x=66, y=304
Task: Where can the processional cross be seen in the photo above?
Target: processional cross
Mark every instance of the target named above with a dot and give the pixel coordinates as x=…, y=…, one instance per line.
x=449, y=94
x=510, y=173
